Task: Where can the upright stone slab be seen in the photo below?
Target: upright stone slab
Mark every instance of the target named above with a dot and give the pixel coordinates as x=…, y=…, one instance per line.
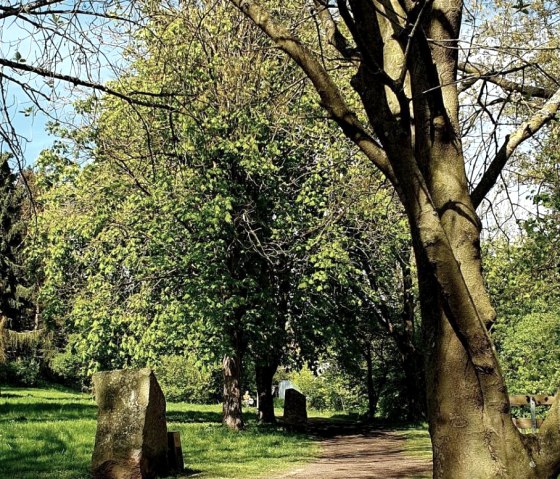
x=295, y=409
x=131, y=438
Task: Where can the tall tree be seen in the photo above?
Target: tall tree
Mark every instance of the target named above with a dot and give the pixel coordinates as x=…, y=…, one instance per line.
x=405, y=61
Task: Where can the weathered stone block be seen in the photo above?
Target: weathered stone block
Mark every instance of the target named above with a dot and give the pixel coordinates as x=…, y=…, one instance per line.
x=295, y=408
x=131, y=438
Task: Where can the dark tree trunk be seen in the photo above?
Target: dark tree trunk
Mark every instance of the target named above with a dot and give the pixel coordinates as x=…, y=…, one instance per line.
x=414, y=385
x=412, y=361
x=265, y=409
x=232, y=411
x=373, y=395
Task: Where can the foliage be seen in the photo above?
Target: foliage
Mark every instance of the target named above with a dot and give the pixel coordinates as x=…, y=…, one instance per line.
x=183, y=378
x=523, y=276
x=225, y=234
x=530, y=350
x=15, y=291
x=328, y=390
x=23, y=371
x=66, y=366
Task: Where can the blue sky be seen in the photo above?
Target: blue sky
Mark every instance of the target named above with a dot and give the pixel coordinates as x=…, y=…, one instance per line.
x=19, y=39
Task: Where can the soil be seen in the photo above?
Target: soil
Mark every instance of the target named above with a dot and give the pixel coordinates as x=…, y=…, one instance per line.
x=369, y=454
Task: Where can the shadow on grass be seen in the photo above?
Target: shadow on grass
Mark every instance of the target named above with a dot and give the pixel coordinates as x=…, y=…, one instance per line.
x=19, y=463
x=42, y=411
x=193, y=416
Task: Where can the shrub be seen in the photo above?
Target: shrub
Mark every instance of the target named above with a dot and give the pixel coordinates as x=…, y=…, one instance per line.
x=67, y=368
x=182, y=378
x=24, y=371
x=529, y=348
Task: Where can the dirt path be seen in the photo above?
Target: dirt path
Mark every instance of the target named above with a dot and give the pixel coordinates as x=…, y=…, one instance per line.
x=374, y=455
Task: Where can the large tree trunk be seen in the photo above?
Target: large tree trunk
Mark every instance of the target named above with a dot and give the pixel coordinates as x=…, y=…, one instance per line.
x=264, y=373
x=373, y=395
x=232, y=411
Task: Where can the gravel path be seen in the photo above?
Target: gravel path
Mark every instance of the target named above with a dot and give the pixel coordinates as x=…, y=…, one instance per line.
x=377, y=454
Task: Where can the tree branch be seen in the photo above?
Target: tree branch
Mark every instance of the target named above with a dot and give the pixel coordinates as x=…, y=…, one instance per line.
x=331, y=98
x=11, y=11
x=508, y=85
x=334, y=36
x=80, y=82
x=527, y=129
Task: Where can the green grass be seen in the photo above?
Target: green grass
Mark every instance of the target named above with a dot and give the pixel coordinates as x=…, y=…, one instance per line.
x=49, y=434
x=418, y=444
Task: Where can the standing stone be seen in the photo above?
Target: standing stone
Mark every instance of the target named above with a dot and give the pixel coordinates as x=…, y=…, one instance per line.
x=295, y=410
x=131, y=438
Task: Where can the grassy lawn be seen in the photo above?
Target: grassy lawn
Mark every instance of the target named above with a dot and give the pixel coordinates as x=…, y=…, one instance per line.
x=49, y=434
x=418, y=444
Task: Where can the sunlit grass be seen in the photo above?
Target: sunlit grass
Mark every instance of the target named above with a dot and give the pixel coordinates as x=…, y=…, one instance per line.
x=418, y=444
x=49, y=434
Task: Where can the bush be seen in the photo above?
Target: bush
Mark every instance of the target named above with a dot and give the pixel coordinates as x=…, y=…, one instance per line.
x=66, y=368
x=23, y=371
x=529, y=348
x=182, y=378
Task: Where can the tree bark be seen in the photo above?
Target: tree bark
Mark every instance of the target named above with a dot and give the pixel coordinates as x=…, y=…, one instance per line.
x=232, y=405
x=264, y=373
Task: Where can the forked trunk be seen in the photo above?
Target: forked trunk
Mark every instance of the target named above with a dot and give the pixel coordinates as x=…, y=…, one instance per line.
x=232, y=411
x=265, y=408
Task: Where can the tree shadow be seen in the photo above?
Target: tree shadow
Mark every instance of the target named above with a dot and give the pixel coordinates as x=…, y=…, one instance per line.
x=42, y=411
x=33, y=465
x=193, y=416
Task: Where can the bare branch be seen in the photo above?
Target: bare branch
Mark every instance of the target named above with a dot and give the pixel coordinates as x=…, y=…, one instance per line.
x=85, y=83
x=508, y=85
x=527, y=129
x=25, y=8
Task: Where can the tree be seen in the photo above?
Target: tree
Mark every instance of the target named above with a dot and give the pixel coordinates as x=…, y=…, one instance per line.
x=18, y=322
x=405, y=60
x=523, y=276
x=185, y=229
x=11, y=238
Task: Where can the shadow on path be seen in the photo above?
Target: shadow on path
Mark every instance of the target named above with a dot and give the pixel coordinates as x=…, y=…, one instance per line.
x=357, y=451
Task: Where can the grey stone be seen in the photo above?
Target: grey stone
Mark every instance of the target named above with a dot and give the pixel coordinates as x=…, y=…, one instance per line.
x=131, y=438
x=295, y=408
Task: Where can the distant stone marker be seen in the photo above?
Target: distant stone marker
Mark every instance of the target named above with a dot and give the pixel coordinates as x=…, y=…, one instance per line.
x=131, y=438
x=295, y=409
x=283, y=386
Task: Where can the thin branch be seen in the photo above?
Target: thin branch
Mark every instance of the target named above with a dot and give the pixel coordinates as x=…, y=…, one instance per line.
x=508, y=85
x=80, y=82
x=26, y=8
x=527, y=129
